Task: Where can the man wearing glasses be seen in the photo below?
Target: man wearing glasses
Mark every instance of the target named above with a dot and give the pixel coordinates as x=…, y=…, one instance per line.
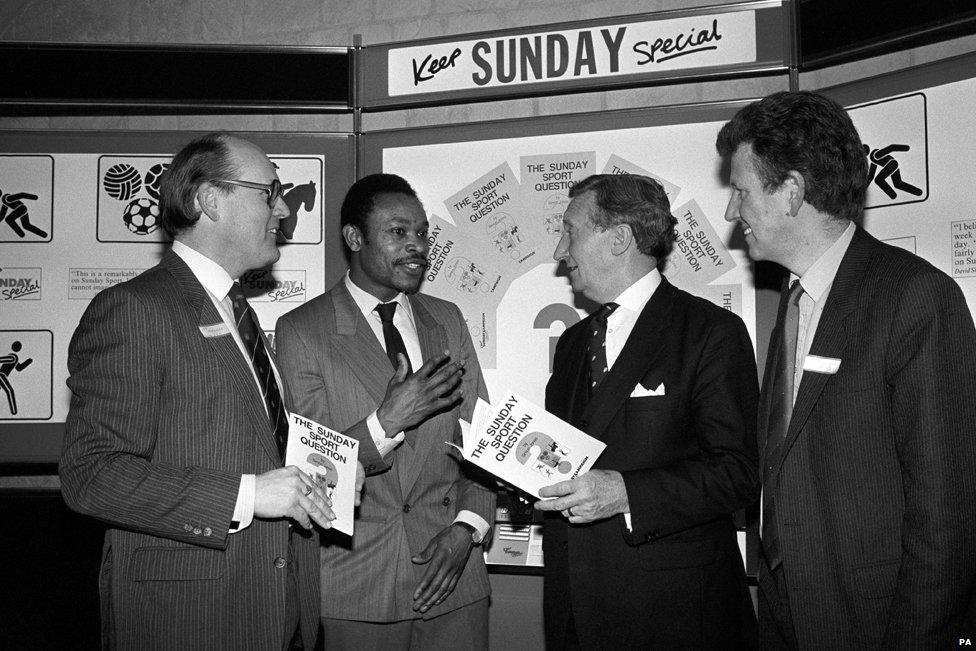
x=177, y=423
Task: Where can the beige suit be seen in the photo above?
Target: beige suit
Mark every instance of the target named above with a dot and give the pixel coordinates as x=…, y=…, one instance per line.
x=338, y=373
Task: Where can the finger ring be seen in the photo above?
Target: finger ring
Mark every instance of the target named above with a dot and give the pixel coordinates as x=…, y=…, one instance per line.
x=308, y=490
x=570, y=511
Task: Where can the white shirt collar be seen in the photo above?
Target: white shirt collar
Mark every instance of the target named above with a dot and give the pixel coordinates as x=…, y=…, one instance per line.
x=211, y=275
x=635, y=297
x=820, y=276
x=367, y=302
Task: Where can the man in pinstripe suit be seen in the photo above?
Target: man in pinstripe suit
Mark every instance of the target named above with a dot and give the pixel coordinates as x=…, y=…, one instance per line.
x=169, y=438
x=413, y=575
x=869, y=458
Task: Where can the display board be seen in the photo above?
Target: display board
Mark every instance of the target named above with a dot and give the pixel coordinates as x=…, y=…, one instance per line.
x=79, y=213
x=495, y=194
x=919, y=137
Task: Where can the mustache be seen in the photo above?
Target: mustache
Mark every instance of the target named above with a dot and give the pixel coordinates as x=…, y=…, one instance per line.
x=415, y=259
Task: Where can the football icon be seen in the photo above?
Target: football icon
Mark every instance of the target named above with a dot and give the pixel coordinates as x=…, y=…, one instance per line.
x=122, y=181
x=153, y=177
x=141, y=216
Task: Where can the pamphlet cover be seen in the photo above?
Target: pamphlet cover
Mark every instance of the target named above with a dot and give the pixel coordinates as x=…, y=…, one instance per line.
x=327, y=457
x=522, y=444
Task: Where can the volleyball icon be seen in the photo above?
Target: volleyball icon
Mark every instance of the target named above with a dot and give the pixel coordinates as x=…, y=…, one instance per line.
x=122, y=181
x=153, y=177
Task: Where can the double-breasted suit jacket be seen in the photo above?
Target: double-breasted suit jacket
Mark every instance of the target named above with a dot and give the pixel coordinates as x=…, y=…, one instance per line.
x=874, y=485
x=164, y=420
x=688, y=460
x=339, y=373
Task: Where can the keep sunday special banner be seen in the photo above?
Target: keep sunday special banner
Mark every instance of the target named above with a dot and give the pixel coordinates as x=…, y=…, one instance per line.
x=633, y=48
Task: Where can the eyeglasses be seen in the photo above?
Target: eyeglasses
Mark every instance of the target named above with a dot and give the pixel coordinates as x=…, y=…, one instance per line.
x=274, y=189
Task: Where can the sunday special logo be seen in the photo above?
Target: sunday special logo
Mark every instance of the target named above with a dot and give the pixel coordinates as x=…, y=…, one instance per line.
x=20, y=283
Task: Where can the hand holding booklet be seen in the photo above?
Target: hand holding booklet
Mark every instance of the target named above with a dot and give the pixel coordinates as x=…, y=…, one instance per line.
x=523, y=444
x=326, y=456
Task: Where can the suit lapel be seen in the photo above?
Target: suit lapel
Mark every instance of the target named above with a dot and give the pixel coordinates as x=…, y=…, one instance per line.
x=831, y=337
x=228, y=355
x=357, y=344
x=643, y=347
x=433, y=340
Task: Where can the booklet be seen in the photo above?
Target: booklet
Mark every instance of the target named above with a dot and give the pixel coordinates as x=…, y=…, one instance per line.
x=522, y=444
x=328, y=457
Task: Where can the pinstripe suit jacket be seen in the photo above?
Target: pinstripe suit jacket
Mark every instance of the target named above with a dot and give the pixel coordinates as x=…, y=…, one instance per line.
x=875, y=484
x=339, y=372
x=163, y=423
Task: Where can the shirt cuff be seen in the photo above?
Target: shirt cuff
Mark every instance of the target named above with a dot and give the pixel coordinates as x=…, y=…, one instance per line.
x=383, y=444
x=476, y=521
x=630, y=527
x=244, y=508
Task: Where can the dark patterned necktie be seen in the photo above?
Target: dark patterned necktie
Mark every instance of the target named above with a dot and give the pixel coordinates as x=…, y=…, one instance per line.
x=391, y=336
x=781, y=410
x=597, y=353
x=247, y=326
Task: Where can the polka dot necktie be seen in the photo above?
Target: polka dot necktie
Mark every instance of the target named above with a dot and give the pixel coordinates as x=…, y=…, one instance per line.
x=597, y=353
x=247, y=326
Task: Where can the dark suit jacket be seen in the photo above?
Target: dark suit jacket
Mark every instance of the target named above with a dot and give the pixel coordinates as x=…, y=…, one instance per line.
x=688, y=460
x=163, y=423
x=339, y=372
x=875, y=487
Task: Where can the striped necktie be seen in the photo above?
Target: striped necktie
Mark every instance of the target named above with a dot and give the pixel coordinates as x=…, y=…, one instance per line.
x=247, y=326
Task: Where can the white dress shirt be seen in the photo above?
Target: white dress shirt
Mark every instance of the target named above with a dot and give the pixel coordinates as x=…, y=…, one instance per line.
x=404, y=321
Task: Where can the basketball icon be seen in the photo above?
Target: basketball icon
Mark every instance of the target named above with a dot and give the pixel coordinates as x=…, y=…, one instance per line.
x=122, y=181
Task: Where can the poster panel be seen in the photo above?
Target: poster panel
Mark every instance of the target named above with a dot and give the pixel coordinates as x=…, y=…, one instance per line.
x=496, y=207
x=919, y=137
x=79, y=212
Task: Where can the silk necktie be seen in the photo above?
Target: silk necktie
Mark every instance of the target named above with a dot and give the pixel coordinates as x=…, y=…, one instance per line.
x=247, y=326
x=391, y=335
x=597, y=354
x=394, y=344
x=782, y=407
x=781, y=410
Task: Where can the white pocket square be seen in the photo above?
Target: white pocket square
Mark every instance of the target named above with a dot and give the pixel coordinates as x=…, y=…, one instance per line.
x=817, y=364
x=640, y=392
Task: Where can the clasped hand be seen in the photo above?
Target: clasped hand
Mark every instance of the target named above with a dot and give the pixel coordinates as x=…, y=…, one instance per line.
x=594, y=495
x=290, y=493
x=411, y=398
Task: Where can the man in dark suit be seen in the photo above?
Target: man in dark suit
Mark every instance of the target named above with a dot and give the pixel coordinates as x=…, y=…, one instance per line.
x=174, y=434
x=395, y=369
x=867, y=417
x=644, y=553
